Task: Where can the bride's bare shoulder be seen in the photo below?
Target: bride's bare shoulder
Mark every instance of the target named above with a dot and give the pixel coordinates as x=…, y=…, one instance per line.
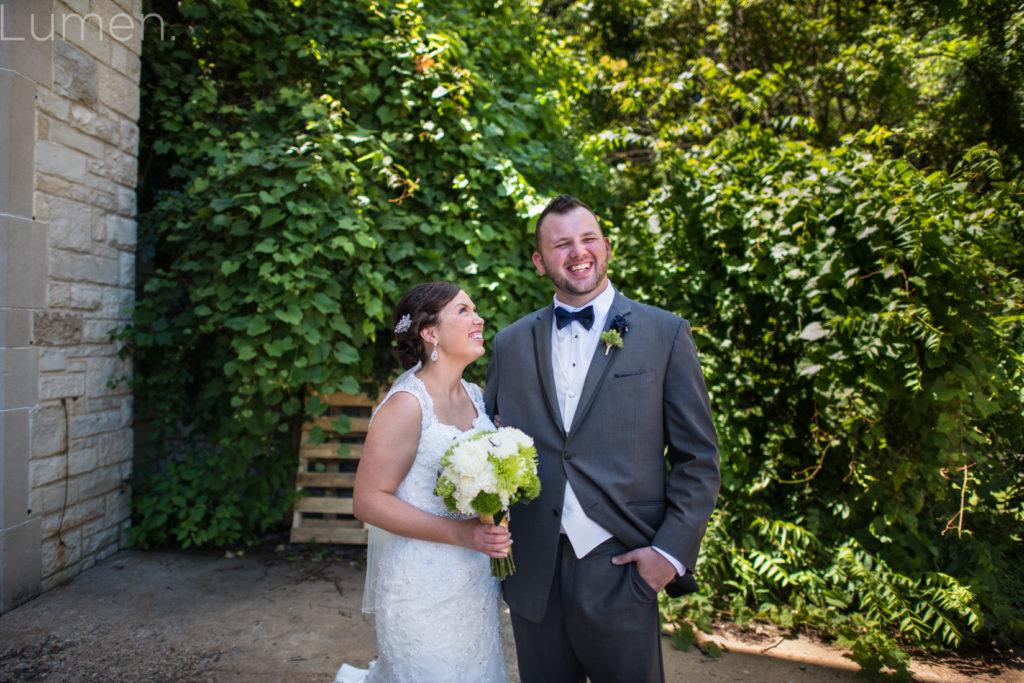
x=401, y=407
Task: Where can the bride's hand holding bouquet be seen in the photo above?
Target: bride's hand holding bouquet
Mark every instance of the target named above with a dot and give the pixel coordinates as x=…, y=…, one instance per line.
x=484, y=475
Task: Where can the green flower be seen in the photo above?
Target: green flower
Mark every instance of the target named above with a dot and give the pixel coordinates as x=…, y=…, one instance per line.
x=609, y=339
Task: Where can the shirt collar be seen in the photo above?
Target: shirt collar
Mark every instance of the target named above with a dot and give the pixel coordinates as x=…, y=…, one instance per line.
x=602, y=303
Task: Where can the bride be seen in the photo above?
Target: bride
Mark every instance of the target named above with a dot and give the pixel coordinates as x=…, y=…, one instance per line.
x=435, y=601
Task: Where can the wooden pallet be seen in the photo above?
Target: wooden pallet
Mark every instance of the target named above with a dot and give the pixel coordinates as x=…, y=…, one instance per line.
x=327, y=473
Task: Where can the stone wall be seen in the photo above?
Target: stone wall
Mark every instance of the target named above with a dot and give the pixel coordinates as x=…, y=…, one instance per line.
x=69, y=73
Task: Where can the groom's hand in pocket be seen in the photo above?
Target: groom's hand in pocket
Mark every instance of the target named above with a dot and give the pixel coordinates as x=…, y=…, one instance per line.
x=652, y=565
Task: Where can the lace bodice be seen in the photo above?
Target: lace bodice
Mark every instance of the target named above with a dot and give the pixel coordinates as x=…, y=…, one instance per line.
x=435, y=437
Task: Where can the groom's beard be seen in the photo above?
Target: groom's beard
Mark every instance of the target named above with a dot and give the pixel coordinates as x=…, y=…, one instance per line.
x=564, y=283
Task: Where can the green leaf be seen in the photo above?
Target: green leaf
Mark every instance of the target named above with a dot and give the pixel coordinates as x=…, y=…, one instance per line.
x=291, y=315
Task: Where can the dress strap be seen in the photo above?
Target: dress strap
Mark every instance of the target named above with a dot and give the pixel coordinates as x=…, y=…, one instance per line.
x=475, y=395
x=410, y=383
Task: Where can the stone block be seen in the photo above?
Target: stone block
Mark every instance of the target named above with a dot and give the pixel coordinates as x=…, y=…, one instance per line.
x=14, y=483
x=116, y=447
x=64, y=385
x=121, y=167
x=128, y=275
x=95, y=423
x=102, y=191
x=53, y=104
x=130, y=137
x=117, y=301
x=71, y=517
x=96, y=405
x=49, y=430
x=98, y=331
x=43, y=471
x=17, y=144
x=42, y=129
x=57, y=329
x=100, y=482
x=20, y=368
x=56, y=159
x=87, y=189
x=88, y=514
x=48, y=187
x=52, y=360
x=80, y=296
x=128, y=414
x=101, y=371
x=25, y=263
x=88, y=120
x=61, y=551
x=125, y=60
x=75, y=267
x=126, y=205
x=104, y=250
x=74, y=71
x=118, y=92
x=118, y=510
x=86, y=31
x=83, y=460
x=20, y=557
x=17, y=326
x=70, y=136
x=70, y=224
x=121, y=232
x=54, y=497
x=81, y=7
x=92, y=350
x=94, y=537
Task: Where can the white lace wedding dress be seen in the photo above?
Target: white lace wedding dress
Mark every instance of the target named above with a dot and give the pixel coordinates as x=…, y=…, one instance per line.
x=436, y=605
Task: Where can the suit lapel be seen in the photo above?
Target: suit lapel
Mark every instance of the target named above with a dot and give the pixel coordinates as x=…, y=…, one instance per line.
x=542, y=352
x=600, y=363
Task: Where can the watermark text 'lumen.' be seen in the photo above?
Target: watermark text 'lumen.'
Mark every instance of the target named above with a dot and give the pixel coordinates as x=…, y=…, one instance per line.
x=121, y=27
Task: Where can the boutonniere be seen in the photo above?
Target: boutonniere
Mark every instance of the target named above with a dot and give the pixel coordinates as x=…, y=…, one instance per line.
x=613, y=337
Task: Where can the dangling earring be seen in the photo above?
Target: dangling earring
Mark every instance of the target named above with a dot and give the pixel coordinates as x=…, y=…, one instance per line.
x=433, y=355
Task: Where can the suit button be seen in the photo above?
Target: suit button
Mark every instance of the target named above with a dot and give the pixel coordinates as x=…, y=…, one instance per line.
x=568, y=456
x=554, y=511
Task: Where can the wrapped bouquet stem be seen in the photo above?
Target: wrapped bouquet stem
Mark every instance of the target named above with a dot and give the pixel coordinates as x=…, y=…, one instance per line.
x=484, y=475
x=505, y=566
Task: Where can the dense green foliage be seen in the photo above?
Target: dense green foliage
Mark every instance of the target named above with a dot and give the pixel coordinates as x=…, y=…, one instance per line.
x=862, y=345
x=831, y=192
x=302, y=169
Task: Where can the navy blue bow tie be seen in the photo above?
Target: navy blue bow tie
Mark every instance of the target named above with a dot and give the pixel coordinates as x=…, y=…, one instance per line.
x=584, y=316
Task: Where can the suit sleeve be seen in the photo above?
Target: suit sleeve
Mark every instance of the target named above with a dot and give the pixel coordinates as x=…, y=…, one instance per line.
x=692, y=446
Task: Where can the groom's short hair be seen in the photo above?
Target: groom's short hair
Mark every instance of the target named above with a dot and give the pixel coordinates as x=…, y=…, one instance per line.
x=562, y=204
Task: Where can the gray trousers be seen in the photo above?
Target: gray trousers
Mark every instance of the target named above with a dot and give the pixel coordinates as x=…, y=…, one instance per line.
x=601, y=623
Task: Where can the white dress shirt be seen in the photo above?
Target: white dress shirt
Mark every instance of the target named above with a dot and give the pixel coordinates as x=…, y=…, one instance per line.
x=572, y=349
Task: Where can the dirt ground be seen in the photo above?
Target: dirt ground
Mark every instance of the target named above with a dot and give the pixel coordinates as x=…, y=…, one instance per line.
x=294, y=615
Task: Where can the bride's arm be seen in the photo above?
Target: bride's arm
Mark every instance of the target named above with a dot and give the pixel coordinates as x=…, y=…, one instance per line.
x=388, y=454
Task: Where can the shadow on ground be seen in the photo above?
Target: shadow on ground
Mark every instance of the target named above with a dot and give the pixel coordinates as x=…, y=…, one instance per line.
x=163, y=616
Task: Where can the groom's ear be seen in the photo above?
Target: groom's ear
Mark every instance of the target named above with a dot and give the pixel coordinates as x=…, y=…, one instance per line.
x=538, y=262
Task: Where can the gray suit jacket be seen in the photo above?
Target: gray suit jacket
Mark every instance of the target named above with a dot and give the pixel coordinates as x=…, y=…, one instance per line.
x=636, y=402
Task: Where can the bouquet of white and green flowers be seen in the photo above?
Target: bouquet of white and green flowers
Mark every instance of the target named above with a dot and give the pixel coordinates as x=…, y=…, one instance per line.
x=485, y=474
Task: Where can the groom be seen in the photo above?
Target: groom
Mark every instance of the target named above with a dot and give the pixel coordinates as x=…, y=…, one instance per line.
x=628, y=462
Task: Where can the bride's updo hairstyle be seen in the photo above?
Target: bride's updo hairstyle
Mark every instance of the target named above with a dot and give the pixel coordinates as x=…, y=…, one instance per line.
x=421, y=304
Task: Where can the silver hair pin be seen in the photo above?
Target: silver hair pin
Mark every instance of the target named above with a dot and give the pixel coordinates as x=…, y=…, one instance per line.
x=403, y=324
